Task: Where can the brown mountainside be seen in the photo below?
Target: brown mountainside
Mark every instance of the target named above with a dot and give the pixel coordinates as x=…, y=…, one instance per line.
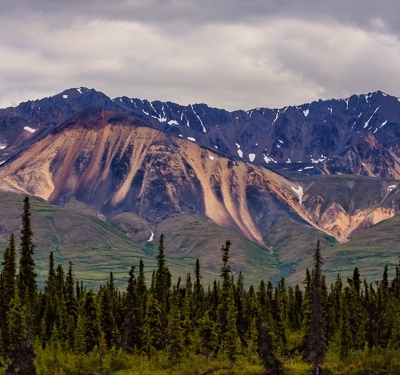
x=142, y=179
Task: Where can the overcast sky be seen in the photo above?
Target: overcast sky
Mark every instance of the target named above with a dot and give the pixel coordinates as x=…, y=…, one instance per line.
x=233, y=54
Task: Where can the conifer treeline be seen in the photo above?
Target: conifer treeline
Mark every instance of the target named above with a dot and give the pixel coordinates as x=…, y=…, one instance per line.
x=179, y=318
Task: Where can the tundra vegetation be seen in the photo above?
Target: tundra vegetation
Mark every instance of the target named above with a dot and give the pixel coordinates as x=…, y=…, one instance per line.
x=165, y=326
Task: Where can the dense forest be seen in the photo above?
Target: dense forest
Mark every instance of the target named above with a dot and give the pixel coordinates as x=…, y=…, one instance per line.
x=165, y=326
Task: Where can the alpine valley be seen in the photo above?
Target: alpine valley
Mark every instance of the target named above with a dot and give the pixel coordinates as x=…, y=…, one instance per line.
x=107, y=177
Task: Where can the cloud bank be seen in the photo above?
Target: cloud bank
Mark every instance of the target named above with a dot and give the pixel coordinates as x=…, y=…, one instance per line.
x=229, y=54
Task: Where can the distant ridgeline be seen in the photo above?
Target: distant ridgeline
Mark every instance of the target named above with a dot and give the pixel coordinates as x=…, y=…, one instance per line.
x=225, y=325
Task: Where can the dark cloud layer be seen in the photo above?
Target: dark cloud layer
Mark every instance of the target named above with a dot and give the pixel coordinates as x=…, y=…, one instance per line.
x=232, y=54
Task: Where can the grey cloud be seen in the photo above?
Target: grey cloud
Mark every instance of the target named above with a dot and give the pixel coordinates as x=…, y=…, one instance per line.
x=199, y=12
x=232, y=54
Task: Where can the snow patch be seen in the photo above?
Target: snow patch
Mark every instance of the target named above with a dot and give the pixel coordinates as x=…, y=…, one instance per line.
x=267, y=158
x=238, y=145
x=2, y=162
x=191, y=139
x=315, y=161
x=252, y=157
x=347, y=104
x=216, y=147
x=211, y=157
x=29, y=129
x=151, y=105
x=276, y=117
x=383, y=124
x=306, y=112
x=2, y=147
x=151, y=237
x=367, y=123
x=173, y=122
x=288, y=160
x=79, y=90
x=198, y=117
x=280, y=141
x=240, y=152
x=299, y=192
x=146, y=113
x=308, y=167
x=391, y=187
x=65, y=96
x=181, y=135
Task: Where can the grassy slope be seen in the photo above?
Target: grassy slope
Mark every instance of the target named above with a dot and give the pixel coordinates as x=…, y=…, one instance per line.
x=94, y=247
x=189, y=237
x=369, y=251
x=291, y=243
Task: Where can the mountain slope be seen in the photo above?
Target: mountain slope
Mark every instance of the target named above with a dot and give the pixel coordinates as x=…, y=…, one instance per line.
x=333, y=136
x=166, y=174
x=114, y=164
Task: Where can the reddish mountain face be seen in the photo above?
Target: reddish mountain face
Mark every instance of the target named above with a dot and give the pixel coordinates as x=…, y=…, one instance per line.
x=114, y=163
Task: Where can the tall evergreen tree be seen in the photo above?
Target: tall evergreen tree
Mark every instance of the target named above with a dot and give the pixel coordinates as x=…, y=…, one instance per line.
x=27, y=275
x=316, y=336
x=90, y=321
x=130, y=329
x=208, y=335
x=267, y=352
x=152, y=327
x=226, y=293
x=8, y=274
x=232, y=341
x=7, y=290
x=21, y=353
x=162, y=284
x=174, y=330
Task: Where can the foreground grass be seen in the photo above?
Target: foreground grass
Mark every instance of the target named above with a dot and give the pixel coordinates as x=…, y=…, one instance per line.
x=61, y=362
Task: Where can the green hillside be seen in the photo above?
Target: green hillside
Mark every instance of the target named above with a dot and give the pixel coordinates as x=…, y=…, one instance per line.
x=369, y=251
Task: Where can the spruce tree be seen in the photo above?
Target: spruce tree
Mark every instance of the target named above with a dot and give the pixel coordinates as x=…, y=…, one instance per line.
x=187, y=323
x=130, y=329
x=80, y=339
x=174, y=331
x=90, y=321
x=107, y=319
x=8, y=274
x=27, y=276
x=162, y=284
x=69, y=295
x=152, y=327
x=21, y=353
x=226, y=293
x=208, y=335
x=232, y=341
x=316, y=336
x=267, y=352
x=7, y=290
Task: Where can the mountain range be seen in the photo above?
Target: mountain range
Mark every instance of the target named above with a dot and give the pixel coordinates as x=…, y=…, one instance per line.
x=272, y=180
